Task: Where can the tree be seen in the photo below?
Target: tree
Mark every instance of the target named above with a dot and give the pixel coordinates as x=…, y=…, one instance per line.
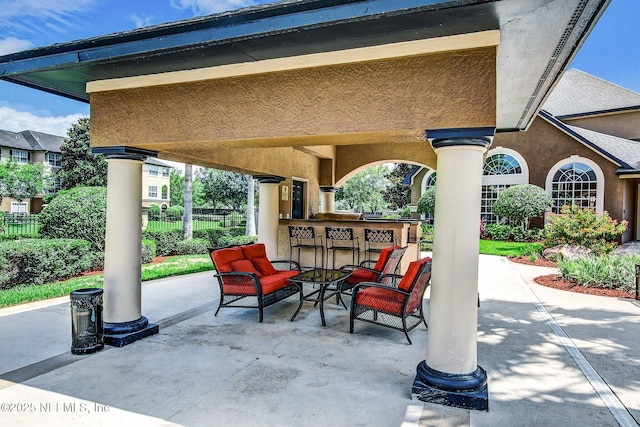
x=187, y=219
x=397, y=194
x=363, y=192
x=519, y=203
x=427, y=202
x=176, y=188
x=80, y=167
x=79, y=213
x=21, y=181
x=222, y=188
x=251, y=211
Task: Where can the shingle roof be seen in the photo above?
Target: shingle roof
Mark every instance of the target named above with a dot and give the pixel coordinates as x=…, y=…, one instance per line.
x=155, y=161
x=43, y=141
x=621, y=151
x=578, y=93
x=13, y=140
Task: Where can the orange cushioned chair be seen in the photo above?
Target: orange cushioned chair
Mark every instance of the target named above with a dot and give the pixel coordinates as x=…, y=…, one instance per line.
x=386, y=265
x=247, y=278
x=398, y=307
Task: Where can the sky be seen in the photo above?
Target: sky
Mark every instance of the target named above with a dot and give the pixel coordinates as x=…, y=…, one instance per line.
x=611, y=52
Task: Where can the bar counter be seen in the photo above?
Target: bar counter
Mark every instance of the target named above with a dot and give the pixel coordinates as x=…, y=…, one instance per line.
x=406, y=233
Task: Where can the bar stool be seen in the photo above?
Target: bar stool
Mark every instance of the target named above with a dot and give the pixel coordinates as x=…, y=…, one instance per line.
x=306, y=238
x=341, y=239
x=375, y=240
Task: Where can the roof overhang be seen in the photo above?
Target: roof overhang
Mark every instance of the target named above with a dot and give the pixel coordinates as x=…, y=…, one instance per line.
x=537, y=40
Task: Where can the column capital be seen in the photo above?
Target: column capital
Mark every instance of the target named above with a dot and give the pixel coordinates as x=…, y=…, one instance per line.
x=478, y=137
x=269, y=179
x=123, y=152
x=328, y=189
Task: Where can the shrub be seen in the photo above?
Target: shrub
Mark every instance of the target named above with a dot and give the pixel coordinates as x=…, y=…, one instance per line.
x=427, y=202
x=610, y=271
x=583, y=227
x=38, y=261
x=237, y=240
x=154, y=212
x=166, y=240
x=519, y=203
x=498, y=231
x=79, y=213
x=192, y=247
x=213, y=236
x=96, y=260
x=176, y=211
x=148, y=251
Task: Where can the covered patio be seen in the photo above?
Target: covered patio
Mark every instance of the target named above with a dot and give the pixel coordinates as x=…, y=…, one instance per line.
x=204, y=370
x=311, y=92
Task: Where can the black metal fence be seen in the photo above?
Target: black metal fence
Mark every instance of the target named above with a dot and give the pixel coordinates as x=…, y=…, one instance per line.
x=203, y=219
x=19, y=224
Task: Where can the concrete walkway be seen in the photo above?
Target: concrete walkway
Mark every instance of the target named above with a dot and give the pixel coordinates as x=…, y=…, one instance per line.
x=553, y=358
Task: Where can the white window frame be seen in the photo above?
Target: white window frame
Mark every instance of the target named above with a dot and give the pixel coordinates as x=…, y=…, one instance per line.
x=153, y=170
x=153, y=191
x=502, y=182
x=19, y=207
x=54, y=160
x=20, y=156
x=594, y=167
x=165, y=172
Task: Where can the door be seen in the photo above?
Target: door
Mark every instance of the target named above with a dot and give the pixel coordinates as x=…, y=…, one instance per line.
x=297, y=200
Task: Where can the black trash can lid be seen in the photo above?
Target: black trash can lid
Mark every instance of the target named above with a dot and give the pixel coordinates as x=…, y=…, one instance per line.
x=87, y=292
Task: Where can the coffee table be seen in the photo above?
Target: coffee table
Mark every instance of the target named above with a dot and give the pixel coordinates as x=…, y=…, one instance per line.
x=325, y=279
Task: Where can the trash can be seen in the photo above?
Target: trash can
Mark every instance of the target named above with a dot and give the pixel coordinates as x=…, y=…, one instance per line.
x=87, y=329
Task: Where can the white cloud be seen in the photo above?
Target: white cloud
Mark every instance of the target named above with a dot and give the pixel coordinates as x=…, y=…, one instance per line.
x=18, y=14
x=141, y=20
x=17, y=121
x=13, y=44
x=204, y=7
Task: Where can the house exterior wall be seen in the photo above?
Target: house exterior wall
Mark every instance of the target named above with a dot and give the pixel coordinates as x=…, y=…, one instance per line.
x=158, y=181
x=623, y=125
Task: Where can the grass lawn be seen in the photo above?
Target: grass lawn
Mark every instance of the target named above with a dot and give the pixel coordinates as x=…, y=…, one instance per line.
x=172, y=266
x=512, y=249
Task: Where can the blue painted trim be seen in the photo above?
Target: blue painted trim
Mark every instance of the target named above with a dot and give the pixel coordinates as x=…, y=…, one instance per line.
x=125, y=327
x=328, y=189
x=124, y=152
x=468, y=391
x=478, y=137
x=407, y=179
x=448, y=133
x=269, y=179
x=598, y=112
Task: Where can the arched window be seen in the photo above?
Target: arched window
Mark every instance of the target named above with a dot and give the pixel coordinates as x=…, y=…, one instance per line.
x=576, y=181
x=502, y=169
x=428, y=181
x=165, y=192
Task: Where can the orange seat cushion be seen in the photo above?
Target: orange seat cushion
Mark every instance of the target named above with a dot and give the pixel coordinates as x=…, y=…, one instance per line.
x=360, y=275
x=386, y=300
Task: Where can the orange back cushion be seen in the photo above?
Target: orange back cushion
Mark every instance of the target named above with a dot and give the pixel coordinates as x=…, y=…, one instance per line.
x=222, y=258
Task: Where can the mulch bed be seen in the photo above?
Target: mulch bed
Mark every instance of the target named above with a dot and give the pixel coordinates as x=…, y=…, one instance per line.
x=553, y=281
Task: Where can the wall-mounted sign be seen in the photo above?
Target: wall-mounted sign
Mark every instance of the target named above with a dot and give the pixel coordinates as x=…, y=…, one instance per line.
x=285, y=192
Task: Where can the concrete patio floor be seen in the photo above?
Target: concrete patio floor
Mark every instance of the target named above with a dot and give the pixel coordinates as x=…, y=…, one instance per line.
x=552, y=357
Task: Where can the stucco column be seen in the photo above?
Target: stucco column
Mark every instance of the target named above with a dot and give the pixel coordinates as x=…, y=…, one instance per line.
x=268, y=210
x=123, y=319
x=450, y=374
x=327, y=199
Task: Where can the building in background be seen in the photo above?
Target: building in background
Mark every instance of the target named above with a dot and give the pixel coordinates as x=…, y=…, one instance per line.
x=36, y=147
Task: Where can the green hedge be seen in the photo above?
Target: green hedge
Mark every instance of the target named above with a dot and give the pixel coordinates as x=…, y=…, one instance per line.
x=193, y=247
x=38, y=261
x=148, y=251
x=166, y=240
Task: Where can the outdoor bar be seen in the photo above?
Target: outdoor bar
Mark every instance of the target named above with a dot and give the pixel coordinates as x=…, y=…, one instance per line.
x=406, y=233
